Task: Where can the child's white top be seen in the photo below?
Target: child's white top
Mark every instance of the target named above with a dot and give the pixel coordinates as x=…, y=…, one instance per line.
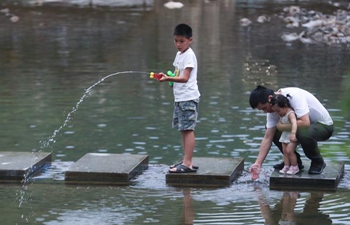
x=285, y=134
x=189, y=90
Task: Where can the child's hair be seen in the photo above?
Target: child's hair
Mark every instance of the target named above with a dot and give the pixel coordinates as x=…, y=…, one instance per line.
x=183, y=30
x=280, y=100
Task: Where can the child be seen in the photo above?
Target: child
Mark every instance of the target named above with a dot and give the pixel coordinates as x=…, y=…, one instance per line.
x=280, y=104
x=186, y=95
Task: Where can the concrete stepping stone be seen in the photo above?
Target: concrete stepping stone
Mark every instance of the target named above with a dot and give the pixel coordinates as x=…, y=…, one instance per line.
x=212, y=172
x=102, y=168
x=328, y=180
x=16, y=166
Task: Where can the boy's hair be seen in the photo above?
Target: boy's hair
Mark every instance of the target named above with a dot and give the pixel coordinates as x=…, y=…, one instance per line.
x=183, y=30
x=280, y=100
x=260, y=95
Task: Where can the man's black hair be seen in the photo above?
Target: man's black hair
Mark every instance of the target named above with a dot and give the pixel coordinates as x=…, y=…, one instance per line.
x=183, y=30
x=260, y=95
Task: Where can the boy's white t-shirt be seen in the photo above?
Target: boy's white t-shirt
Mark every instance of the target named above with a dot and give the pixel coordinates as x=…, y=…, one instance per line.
x=302, y=102
x=189, y=90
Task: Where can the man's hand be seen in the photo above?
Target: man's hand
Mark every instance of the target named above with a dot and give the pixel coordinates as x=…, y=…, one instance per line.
x=255, y=170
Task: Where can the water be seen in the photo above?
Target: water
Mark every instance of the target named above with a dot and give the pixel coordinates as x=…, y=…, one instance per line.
x=55, y=97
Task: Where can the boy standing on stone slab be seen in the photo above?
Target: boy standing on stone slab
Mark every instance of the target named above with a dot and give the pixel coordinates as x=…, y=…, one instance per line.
x=186, y=96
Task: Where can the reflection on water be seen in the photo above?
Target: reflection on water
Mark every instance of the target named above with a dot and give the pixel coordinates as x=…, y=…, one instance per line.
x=294, y=208
x=151, y=201
x=52, y=55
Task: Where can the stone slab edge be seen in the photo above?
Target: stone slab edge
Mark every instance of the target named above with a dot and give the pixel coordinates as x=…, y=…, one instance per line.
x=75, y=177
x=281, y=183
x=204, y=180
x=19, y=175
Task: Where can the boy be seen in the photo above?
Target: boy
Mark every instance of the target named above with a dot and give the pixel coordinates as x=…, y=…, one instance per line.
x=186, y=95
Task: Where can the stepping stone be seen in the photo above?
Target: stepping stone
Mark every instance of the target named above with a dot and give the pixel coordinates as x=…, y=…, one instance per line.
x=328, y=180
x=101, y=168
x=212, y=172
x=16, y=166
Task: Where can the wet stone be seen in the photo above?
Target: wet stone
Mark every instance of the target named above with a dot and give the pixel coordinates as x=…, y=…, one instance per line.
x=17, y=166
x=328, y=180
x=212, y=172
x=102, y=168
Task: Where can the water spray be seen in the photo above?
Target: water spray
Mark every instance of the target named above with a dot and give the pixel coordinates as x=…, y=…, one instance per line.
x=46, y=144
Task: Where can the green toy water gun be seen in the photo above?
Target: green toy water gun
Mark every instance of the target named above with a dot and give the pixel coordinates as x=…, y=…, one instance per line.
x=171, y=74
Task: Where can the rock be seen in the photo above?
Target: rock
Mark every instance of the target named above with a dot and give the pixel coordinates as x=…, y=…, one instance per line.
x=263, y=19
x=290, y=37
x=173, y=5
x=14, y=19
x=245, y=22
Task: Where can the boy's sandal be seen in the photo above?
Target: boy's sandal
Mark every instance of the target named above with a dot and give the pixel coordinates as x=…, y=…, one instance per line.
x=179, y=163
x=183, y=169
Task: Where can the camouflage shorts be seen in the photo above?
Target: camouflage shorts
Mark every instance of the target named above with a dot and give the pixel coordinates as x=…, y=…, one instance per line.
x=185, y=115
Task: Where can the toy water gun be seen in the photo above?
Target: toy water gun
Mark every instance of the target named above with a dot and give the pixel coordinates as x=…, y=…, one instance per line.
x=171, y=74
x=158, y=76
x=155, y=76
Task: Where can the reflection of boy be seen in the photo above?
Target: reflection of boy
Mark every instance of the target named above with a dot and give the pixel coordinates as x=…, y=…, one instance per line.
x=187, y=209
x=186, y=95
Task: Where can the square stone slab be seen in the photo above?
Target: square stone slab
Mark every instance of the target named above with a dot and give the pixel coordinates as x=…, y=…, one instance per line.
x=328, y=180
x=212, y=172
x=15, y=166
x=102, y=168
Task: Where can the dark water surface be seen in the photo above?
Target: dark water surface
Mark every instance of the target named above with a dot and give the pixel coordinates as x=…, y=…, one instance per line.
x=53, y=99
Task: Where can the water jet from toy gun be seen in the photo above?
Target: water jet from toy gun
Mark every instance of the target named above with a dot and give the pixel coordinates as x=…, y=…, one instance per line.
x=158, y=76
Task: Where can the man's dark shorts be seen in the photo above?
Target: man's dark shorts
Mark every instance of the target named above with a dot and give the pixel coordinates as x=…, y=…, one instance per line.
x=185, y=115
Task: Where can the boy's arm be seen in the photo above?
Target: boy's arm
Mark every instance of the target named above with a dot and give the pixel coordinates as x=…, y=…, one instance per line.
x=181, y=79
